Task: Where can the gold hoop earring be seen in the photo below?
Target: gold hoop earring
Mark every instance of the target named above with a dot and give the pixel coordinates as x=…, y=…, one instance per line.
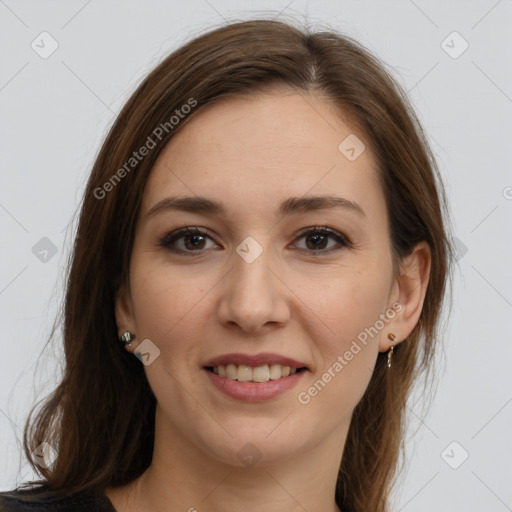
x=392, y=338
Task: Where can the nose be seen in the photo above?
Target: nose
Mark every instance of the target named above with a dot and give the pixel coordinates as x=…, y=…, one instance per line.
x=254, y=295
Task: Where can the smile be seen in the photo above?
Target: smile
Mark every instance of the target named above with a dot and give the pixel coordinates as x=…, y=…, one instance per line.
x=245, y=373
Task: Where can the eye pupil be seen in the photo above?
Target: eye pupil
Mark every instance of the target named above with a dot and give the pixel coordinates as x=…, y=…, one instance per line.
x=318, y=238
x=193, y=241
x=188, y=238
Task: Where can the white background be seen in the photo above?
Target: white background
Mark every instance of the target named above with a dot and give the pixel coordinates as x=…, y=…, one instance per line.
x=54, y=114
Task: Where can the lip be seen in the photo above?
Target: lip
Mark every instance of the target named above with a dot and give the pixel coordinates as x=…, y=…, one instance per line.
x=254, y=360
x=253, y=391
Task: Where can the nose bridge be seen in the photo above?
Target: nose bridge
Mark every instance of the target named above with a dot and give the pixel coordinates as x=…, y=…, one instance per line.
x=251, y=275
x=252, y=295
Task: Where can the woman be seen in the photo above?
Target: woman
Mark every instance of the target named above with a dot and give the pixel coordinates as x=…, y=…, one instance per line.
x=256, y=284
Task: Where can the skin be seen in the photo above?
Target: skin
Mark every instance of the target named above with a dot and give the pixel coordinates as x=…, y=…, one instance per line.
x=251, y=153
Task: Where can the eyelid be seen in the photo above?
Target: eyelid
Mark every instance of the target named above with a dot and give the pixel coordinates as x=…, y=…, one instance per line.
x=176, y=234
x=342, y=240
x=334, y=233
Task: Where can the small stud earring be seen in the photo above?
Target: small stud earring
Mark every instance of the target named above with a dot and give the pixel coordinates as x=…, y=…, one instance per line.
x=392, y=338
x=126, y=339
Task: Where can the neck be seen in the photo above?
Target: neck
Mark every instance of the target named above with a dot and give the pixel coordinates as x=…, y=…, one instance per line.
x=185, y=477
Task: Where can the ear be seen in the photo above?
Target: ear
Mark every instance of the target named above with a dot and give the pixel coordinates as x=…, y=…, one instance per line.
x=409, y=292
x=124, y=311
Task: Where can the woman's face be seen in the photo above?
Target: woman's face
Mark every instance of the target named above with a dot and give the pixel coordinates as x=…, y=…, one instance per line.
x=252, y=282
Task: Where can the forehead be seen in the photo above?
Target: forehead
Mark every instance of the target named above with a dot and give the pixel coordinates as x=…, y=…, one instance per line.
x=252, y=151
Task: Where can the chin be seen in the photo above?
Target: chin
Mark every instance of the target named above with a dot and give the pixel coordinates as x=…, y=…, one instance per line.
x=255, y=449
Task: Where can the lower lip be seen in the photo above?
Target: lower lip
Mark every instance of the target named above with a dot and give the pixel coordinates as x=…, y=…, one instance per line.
x=254, y=391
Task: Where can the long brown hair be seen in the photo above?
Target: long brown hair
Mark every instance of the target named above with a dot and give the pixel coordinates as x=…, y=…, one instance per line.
x=100, y=418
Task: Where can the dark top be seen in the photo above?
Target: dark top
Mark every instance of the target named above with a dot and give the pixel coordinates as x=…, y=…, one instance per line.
x=85, y=501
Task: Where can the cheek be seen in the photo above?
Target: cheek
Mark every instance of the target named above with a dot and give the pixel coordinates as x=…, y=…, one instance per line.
x=161, y=294
x=348, y=303
x=349, y=326
x=169, y=307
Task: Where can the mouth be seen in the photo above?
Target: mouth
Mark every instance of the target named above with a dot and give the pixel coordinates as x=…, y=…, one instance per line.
x=259, y=374
x=254, y=384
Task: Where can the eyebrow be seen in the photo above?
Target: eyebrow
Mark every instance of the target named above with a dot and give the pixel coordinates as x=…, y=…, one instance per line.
x=292, y=205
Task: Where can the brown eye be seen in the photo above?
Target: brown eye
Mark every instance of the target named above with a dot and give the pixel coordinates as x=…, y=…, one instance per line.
x=187, y=240
x=317, y=240
x=192, y=241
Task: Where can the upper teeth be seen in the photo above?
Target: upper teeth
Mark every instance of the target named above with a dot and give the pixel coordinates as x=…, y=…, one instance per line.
x=246, y=373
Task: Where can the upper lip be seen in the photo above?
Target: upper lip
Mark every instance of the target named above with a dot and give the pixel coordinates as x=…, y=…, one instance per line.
x=254, y=360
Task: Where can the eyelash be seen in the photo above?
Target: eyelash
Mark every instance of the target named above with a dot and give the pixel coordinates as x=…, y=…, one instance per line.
x=172, y=237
